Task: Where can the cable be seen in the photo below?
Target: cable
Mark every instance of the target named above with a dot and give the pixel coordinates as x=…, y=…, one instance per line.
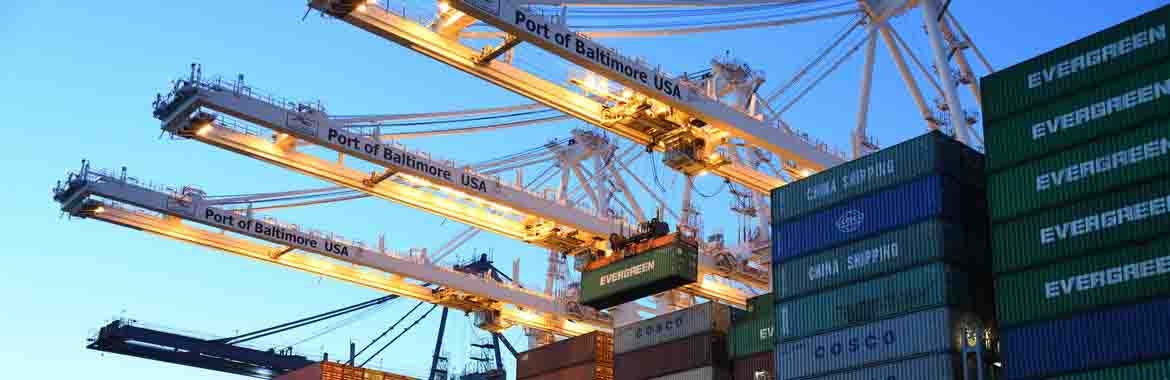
x=432, y=122
x=383, y=334
x=713, y=22
x=304, y=321
x=346, y=322
x=399, y=335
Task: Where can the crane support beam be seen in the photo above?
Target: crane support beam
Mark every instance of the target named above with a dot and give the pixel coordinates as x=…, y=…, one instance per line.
x=510, y=42
x=103, y=197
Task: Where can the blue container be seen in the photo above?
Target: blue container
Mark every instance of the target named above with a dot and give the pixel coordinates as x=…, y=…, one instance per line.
x=892, y=208
x=1090, y=341
x=934, y=367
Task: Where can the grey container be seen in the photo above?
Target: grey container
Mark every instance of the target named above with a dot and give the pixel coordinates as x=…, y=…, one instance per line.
x=931, y=331
x=933, y=367
x=699, y=319
x=703, y=373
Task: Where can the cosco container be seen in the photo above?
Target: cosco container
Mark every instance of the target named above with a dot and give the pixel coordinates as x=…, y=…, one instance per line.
x=698, y=319
x=932, y=153
x=1119, y=105
x=753, y=332
x=1155, y=370
x=860, y=218
x=931, y=331
x=1138, y=213
x=1081, y=64
x=760, y=366
x=705, y=373
x=1133, y=157
x=1126, y=275
x=1095, y=340
x=924, y=287
x=892, y=251
x=594, y=347
x=704, y=350
x=932, y=367
x=638, y=276
x=587, y=371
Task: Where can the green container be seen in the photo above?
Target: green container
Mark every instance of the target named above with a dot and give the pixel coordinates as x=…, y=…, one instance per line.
x=1139, y=213
x=1077, y=65
x=920, y=288
x=1078, y=173
x=641, y=275
x=920, y=243
x=1123, y=276
x=1114, y=107
x=931, y=153
x=1152, y=370
x=752, y=332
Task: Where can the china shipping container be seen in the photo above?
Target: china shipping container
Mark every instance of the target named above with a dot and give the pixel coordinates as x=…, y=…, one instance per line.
x=670, y=266
x=1049, y=236
x=338, y=371
x=1008, y=90
x=594, y=347
x=892, y=251
x=758, y=366
x=892, y=208
x=932, y=153
x=586, y=371
x=925, y=332
x=698, y=319
x=930, y=367
x=705, y=373
x=1093, y=340
x=703, y=350
x=1148, y=370
x=1127, y=275
x=1133, y=157
x=925, y=287
x=754, y=331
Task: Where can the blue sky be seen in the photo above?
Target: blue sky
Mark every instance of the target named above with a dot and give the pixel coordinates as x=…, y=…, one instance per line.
x=77, y=79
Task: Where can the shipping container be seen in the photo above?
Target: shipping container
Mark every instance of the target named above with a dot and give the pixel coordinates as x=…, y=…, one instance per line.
x=1131, y=101
x=587, y=371
x=705, y=373
x=931, y=367
x=640, y=275
x=925, y=287
x=1126, y=275
x=704, y=350
x=928, y=197
x=594, y=347
x=753, y=331
x=1094, y=340
x=1154, y=370
x=1133, y=157
x=931, y=331
x=1138, y=213
x=889, y=252
x=1082, y=64
x=338, y=371
x=932, y=153
x=759, y=366
x=695, y=320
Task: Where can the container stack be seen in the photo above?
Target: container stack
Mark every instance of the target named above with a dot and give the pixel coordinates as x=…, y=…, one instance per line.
x=753, y=340
x=689, y=344
x=1078, y=152
x=585, y=357
x=881, y=269
x=337, y=371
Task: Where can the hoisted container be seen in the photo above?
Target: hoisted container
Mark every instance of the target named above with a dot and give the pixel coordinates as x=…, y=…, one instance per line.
x=759, y=366
x=931, y=153
x=1132, y=157
x=925, y=287
x=703, y=350
x=1095, y=340
x=594, y=347
x=889, y=252
x=1082, y=64
x=1138, y=213
x=640, y=275
x=1126, y=275
x=932, y=367
x=932, y=196
x=699, y=319
x=1148, y=370
x=754, y=331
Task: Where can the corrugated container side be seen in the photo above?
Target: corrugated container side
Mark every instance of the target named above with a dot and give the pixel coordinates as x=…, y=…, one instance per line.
x=1138, y=213
x=587, y=371
x=1149, y=370
x=1102, y=56
x=1095, y=340
x=889, y=252
x=932, y=153
x=863, y=217
x=705, y=373
x=1087, y=170
x=931, y=331
x=760, y=366
x=704, y=350
x=1130, y=101
x=925, y=287
x=592, y=347
x=753, y=332
x=312, y=372
x=698, y=319
x=1127, y=275
x=933, y=367
x=658, y=270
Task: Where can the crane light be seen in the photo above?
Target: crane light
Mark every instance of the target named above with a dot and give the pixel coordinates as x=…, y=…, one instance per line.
x=99, y=210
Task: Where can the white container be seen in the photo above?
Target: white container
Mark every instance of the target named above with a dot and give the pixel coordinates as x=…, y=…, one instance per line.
x=673, y=326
